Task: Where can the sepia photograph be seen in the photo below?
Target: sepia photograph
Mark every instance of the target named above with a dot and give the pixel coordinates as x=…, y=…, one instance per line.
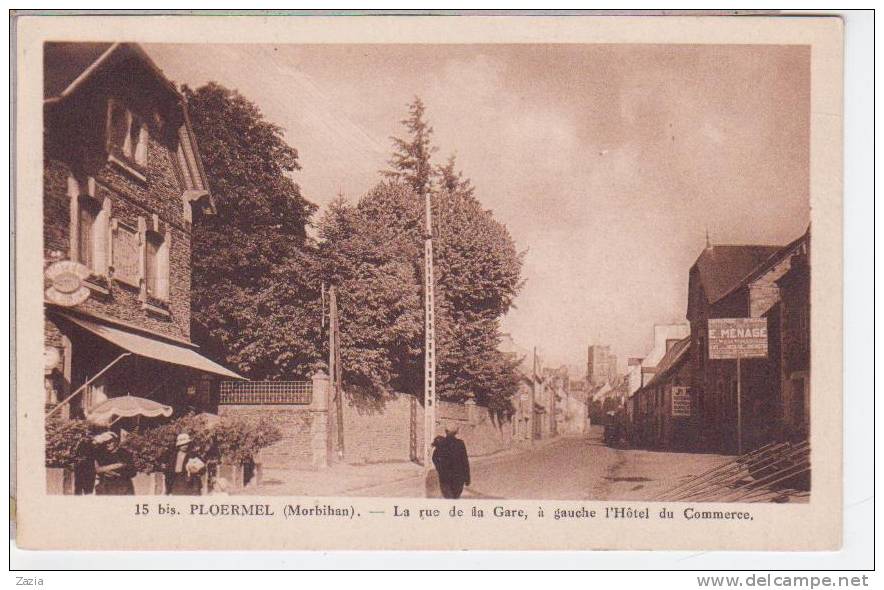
x=328, y=272
x=517, y=271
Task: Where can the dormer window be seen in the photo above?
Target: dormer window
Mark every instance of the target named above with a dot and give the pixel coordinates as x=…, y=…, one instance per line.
x=127, y=135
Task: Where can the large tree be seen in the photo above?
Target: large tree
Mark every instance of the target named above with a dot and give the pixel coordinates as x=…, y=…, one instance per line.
x=370, y=252
x=477, y=271
x=373, y=252
x=256, y=284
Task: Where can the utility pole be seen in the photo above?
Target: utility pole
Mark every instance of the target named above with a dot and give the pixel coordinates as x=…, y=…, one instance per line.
x=430, y=341
x=739, y=409
x=334, y=365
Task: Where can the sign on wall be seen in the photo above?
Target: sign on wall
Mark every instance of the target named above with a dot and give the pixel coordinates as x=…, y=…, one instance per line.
x=126, y=254
x=734, y=338
x=66, y=286
x=681, y=401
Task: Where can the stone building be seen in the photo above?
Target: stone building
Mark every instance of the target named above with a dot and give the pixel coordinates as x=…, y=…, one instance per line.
x=123, y=184
x=662, y=411
x=739, y=282
x=794, y=314
x=601, y=365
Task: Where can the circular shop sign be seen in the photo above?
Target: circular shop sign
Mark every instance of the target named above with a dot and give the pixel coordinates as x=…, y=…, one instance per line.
x=66, y=283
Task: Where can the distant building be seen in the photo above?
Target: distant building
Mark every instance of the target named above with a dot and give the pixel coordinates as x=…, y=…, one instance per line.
x=634, y=373
x=661, y=411
x=535, y=401
x=665, y=336
x=601, y=365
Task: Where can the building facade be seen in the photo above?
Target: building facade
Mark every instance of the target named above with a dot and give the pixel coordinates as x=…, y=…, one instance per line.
x=123, y=184
x=601, y=365
x=742, y=282
x=794, y=317
x=663, y=411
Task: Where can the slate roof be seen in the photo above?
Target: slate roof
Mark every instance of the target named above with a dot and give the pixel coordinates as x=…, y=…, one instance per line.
x=722, y=268
x=66, y=65
x=670, y=360
x=65, y=62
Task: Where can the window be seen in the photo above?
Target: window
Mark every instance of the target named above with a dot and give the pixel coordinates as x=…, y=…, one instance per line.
x=156, y=266
x=89, y=225
x=127, y=135
x=88, y=229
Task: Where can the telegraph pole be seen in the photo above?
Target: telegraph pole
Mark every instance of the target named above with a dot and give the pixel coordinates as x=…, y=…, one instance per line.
x=334, y=364
x=430, y=341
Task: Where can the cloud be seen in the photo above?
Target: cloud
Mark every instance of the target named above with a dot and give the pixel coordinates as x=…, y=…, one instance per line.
x=606, y=162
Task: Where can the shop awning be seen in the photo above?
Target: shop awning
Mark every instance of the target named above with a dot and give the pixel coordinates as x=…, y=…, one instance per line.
x=153, y=348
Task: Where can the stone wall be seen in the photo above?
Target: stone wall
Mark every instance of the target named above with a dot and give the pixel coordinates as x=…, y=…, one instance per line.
x=378, y=432
x=304, y=427
x=299, y=427
x=393, y=429
x=388, y=430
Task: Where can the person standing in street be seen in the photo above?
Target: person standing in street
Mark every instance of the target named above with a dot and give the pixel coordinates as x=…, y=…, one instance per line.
x=452, y=464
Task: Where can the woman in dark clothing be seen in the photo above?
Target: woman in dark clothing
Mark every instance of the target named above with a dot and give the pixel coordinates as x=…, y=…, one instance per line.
x=114, y=467
x=84, y=469
x=183, y=469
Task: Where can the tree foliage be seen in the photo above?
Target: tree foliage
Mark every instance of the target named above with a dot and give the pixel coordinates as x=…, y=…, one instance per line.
x=478, y=275
x=374, y=252
x=255, y=284
x=410, y=163
x=257, y=277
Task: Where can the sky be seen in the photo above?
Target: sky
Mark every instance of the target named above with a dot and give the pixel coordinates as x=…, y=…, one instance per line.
x=608, y=163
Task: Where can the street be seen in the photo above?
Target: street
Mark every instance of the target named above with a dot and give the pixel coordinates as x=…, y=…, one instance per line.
x=570, y=468
x=566, y=468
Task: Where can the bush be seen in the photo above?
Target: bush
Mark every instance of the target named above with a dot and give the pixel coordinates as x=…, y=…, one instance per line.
x=62, y=438
x=239, y=439
x=149, y=446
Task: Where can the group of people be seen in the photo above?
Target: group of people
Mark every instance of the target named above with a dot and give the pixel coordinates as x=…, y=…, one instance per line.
x=106, y=468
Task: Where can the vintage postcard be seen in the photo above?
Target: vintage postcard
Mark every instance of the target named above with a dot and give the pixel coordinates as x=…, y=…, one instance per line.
x=449, y=282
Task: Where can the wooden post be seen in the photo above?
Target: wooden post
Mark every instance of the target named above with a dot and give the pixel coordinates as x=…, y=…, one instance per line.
x=739, y=410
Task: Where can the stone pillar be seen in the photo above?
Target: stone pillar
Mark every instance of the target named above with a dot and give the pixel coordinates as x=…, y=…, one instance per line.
x=321, y=391
x=319, y=429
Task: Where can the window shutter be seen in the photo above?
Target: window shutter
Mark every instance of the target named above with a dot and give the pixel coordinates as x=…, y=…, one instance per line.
x=141, y=147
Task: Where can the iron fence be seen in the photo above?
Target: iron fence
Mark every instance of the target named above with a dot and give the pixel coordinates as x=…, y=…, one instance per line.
x=266, y=392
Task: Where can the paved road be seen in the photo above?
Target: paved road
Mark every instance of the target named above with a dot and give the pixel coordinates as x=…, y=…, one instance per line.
x=570, y=469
